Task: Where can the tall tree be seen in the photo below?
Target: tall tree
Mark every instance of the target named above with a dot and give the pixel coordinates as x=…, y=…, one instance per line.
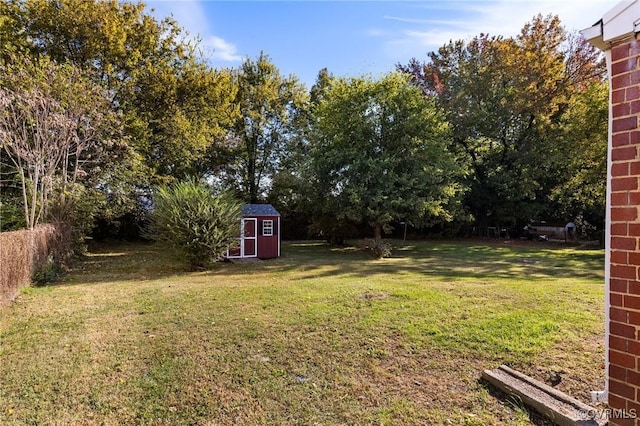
x=180, y=113
x=581, y=157
x=501, y=96
x=269, y=105
x=173, y=105
x=12, y=24
x=57, y=128
x=380, y=153
x=291, y=185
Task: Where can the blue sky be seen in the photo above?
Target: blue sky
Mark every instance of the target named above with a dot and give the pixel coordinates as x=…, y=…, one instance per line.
x=355, y=37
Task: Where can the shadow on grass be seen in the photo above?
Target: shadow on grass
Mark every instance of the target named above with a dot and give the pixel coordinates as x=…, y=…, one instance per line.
x=124, y=261
x=448, y=260
x=312, y=260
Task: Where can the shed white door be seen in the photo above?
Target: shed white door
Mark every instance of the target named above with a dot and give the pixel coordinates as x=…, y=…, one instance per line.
x=249, y=238
x=248, y=246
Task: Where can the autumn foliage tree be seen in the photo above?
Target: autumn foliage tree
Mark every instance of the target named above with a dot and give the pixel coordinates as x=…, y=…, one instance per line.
x=521, y=117
x=502, y=97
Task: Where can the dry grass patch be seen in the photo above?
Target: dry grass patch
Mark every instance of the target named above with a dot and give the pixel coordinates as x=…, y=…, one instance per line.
x=21, y=254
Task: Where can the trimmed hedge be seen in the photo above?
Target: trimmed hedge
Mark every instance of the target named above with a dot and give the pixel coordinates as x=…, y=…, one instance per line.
x=21, y=254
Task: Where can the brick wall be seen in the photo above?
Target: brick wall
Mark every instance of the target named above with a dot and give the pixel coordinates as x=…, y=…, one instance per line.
x=624, y=311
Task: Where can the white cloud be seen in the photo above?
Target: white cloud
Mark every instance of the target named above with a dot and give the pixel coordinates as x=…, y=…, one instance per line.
x=425, y=30
x=222, y=50
x=191, y=15
x=407, y=20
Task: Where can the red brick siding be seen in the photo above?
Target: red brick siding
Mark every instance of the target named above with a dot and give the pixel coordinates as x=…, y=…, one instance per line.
x=624, y=310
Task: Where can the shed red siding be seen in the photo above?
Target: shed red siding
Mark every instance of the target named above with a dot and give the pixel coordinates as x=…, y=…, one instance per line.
x=268, y=246
x=254, y=241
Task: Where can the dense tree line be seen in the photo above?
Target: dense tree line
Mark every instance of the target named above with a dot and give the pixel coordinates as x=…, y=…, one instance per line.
x=490, y=131
x=513, y=105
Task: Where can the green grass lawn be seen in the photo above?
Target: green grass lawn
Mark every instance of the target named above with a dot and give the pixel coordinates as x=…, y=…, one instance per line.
x=320, y=336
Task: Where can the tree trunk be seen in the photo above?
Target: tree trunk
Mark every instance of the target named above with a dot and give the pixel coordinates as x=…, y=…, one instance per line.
x=377, y=229
x=251, y=173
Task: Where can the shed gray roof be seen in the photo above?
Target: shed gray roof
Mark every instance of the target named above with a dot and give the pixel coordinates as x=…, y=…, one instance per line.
x=259, y=210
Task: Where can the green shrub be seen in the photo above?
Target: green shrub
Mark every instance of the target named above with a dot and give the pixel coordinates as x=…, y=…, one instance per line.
x=11, y=214
x=195, y=221
x=74, y=217
x=46, y=273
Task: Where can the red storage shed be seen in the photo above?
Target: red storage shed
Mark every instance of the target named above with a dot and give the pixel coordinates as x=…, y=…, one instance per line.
x=259, y=233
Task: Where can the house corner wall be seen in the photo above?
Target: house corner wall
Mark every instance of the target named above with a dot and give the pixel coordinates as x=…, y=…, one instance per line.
x=624, y=229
